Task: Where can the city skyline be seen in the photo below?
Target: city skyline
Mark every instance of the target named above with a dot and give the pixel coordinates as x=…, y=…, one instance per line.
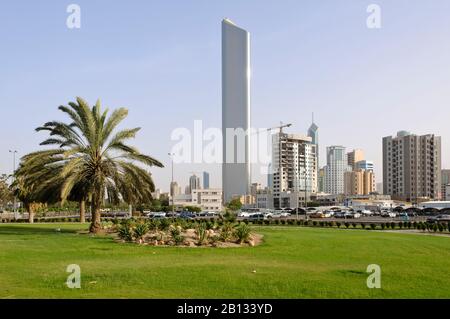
x=307, y=58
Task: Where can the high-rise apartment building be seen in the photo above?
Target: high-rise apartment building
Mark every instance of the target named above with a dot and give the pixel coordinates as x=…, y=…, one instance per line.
x=412, y=166
x=294, y=165
x=355, y=156
x=359, y=182
x=335, y=169
x=236, y=171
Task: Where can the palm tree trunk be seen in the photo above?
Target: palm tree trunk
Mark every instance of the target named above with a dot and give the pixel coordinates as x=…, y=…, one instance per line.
x=30, y=213
x=96, y=222
x=82, y=211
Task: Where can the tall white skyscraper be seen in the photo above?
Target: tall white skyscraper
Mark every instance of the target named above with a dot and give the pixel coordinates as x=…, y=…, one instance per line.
x=335, y=170
x=236, y=177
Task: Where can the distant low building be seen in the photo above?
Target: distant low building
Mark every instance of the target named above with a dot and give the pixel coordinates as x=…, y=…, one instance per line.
x=207, y=199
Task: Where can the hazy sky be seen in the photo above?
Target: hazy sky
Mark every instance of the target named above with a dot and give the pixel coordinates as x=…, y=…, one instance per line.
x=162, y=60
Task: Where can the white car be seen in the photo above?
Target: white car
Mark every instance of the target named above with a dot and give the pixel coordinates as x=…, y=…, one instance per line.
x=157, y=215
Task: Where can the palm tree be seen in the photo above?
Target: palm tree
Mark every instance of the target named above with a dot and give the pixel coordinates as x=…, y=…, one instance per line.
x=91, y=161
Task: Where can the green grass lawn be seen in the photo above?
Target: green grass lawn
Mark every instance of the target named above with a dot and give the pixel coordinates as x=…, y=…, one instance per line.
x=293, y=262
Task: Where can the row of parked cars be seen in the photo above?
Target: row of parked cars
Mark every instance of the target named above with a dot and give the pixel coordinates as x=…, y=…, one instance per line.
x=186, y=215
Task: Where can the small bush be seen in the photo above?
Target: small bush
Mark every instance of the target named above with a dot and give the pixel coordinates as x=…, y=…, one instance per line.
x=242, y=233
x=338, y=224
x=226, y=231
x=393, y=225
x=314, y=223
x=202, y=234
x=140, y=230
x=347, y=225
x=354, y=225
x=373, y=226
x=383, y=226
x=125, y=233
x=363, y=226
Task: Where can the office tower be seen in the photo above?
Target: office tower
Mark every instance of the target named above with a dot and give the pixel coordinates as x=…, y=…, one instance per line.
x=205, y=180
x=194, y=183
x=359, y=182
x=235, y=110
x=294, y=165
x=365, y=165
x=187, y=190
x=445, y=180
x=412, y=166
x=335, y=169
x=175, y=190
x=355, y=156
x=313, y=132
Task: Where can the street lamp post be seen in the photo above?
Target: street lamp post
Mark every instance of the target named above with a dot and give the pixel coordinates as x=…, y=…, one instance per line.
x=171, y=185
x=14, y=152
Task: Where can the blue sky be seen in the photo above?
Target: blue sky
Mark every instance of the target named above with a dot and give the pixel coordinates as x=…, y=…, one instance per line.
x=161, y=59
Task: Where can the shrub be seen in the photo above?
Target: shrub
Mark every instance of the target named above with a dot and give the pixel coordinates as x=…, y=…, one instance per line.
x=373, y=226
x=441, y=228
x=393, y=225
x=354, y=225
x=338, y=224
x=283, y=222
x=347, y=225
x=299, y=222
x=435, y=227
x=314, y=223
x=125, y=233
x=226, y=231
x=321, y=224
x=400, y=225
x=277, y=221
x=202, y=234
x=175, y=233
x=448, y=227
x=164, y=224
x=290, y=222
x=363, y=226
x=140, y=230
x=267, y=222
x=383, y=226
x=242, y=233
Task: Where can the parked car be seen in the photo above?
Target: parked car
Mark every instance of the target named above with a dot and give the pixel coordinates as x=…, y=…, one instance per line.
x=156, y=215
x=352, y=215
x=388, y=214
x=257, y=216
x=339, y=214
x=188, y=215
x=172, y=214
x=317, y=215
x=439, y=219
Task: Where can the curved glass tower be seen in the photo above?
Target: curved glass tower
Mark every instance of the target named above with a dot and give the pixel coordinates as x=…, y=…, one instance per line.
x=235, y=110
